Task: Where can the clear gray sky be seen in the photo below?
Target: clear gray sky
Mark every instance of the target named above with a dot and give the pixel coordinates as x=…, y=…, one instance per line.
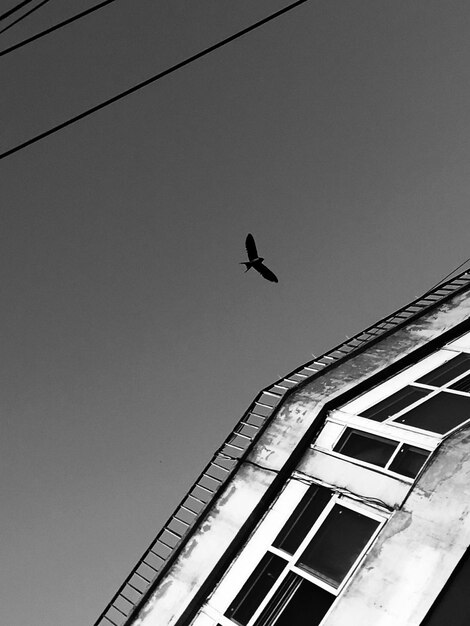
x=131, y=339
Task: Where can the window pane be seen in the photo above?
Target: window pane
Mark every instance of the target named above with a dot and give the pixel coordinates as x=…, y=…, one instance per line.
x=439, y=414
x=462, y=385
x=296, y=603
x=409, y=461
x=307, y=607
x=302, y=519
x=443, y=374
x=337, y=544
x=256, y=587
x=394, y=403
x=366, y=447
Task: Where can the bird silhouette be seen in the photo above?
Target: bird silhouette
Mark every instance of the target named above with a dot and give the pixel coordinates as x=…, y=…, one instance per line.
x=256, y=261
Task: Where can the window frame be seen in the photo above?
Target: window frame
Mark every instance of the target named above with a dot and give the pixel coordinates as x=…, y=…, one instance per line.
x=434, y=392
x=399, y=441
x=408, y=375
x=408, y=407
x=290, y=560
x=252, y=552
x=406, y=378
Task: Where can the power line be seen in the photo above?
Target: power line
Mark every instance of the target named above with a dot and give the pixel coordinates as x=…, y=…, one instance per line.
x=153, y=79
x=14, y=9
x=51, y=29
x=22, y=17
x=447, y=276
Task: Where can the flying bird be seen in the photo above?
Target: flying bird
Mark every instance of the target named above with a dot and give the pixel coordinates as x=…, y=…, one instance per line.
x=256, y=261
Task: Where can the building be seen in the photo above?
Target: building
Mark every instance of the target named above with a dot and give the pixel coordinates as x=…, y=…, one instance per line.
x=341, y=497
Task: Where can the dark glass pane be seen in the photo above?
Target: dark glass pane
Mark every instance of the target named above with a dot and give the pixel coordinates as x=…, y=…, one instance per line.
x=439, y=414
x=365, y=447
x=297, y=602
x=394, y=403
x=302, y=519
x=409, y=461
x=453, y=603
x=443, y=374
x=256, y=587
x=462, y=385
x=307, y=607
x=337, y=544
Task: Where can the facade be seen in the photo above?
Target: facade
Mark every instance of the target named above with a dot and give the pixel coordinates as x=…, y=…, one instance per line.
x=341, y=497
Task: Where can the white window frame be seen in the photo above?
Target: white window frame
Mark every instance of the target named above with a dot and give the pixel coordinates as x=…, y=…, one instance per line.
x=383, y=390
x=262, y=537
x=399, y=441
x=434, y=392
x=390, y=427
x=424, y=440
x=414, y=437
x=290, y=560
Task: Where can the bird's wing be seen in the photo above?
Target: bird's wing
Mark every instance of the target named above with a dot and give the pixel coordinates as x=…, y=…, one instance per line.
x=266, y=272
x=251, y=247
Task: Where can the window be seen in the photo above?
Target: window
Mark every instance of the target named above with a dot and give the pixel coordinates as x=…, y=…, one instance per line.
x=463, y=384
x=302, y=519
x=438, y=401
x=447, y=372
x=366, y=447
x=256, y=587
x=392, y=455
x=296, y=602
x=440, y=413
x=395, y=403
x=337, y=544
x=408, y=461
x=299, y=577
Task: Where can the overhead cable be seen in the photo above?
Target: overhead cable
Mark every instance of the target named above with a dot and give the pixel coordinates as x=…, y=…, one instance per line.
x=447, y=276
x=151, y=80
x=14, y=9
x=51, y=29
x=22, y=17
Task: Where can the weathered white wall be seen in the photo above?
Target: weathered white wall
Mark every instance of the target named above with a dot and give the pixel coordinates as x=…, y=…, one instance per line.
x=204, y=548
x=275, y=446
x=417, y=550
x=359, y=480
x=259, y=542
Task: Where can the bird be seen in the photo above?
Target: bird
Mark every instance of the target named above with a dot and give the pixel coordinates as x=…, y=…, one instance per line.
x=256, y=261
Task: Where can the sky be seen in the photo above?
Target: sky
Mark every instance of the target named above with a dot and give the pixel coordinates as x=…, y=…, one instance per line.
x=131, y=339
